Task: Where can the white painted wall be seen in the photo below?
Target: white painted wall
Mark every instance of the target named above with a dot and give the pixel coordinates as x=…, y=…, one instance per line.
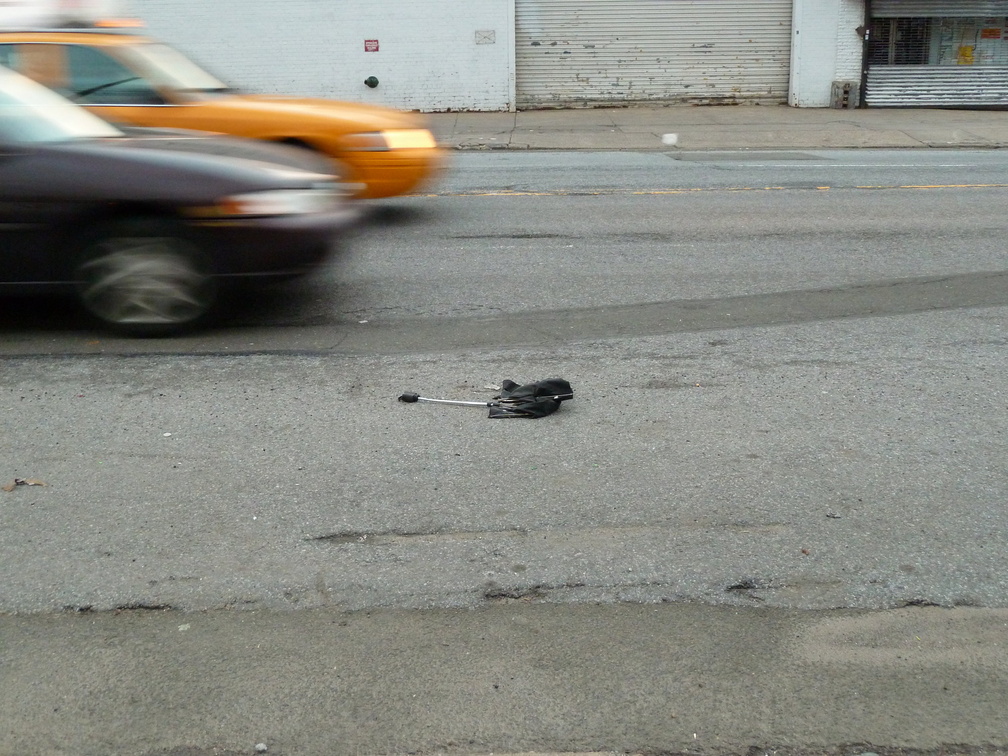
x=825, y=48
x=433, y=55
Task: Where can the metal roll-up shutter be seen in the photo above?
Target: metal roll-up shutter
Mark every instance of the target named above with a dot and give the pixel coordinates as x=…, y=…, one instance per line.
x=571, y=52
x=938, y=8
x=937, y=86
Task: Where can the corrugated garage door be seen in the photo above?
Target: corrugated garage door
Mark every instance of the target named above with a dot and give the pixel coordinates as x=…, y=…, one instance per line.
x=572, y=52
x=937, y=86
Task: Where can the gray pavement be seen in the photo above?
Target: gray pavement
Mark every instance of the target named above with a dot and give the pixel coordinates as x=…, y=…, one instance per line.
x=512, y=677
x=517, y=676
x=735, y=127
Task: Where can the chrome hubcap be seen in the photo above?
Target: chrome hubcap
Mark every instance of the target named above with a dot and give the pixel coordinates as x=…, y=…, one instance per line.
x=144, y=281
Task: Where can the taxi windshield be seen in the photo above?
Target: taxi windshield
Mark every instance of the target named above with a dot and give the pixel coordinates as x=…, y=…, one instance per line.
x=167, y=68
x=31, y=113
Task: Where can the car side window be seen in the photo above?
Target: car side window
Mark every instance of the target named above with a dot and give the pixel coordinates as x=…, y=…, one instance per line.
x=96, y=78
x=8, y=56
x=41, y=62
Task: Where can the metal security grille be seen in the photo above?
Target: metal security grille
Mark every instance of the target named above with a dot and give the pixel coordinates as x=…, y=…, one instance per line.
x=899, y=41
x=577, y=53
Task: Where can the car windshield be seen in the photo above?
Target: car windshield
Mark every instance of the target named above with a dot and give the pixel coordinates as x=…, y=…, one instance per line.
x=166, y=67
x=31, y=113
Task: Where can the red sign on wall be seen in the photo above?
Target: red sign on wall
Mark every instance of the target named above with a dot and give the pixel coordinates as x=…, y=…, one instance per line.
x=370, y=45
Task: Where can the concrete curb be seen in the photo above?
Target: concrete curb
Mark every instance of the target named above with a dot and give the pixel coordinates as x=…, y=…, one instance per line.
x=722, y=128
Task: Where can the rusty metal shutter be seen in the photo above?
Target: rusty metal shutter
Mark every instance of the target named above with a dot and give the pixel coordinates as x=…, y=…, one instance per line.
x=937, y=86
x=576, y=53
x=938, y=8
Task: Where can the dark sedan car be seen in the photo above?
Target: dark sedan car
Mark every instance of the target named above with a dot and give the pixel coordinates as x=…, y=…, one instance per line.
x=146, y=230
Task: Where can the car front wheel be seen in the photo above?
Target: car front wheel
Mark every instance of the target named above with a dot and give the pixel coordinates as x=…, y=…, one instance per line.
x=145, y=278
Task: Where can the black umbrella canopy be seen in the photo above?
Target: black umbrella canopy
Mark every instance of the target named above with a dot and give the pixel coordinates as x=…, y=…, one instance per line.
x=531, y=399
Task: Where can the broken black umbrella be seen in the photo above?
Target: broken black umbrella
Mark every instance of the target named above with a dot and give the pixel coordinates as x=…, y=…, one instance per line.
x=515, y=400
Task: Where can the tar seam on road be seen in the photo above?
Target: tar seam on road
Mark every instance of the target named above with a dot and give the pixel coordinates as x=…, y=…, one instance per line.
x=553, y=328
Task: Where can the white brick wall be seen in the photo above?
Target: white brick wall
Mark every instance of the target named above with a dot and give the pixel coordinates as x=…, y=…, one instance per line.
x=825, y=48
x=433, y=55
x=850, y=46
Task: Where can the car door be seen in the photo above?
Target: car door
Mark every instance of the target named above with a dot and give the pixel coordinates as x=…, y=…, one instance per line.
x=28, y=222
x=12, y=223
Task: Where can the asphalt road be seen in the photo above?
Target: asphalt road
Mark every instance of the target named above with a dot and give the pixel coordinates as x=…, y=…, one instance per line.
x=772, y=517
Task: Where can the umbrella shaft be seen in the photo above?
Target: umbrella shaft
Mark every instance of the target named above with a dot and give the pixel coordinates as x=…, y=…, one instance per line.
x=456, y=401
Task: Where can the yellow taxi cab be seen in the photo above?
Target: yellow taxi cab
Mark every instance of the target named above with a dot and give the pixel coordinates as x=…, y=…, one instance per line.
x=128, y=78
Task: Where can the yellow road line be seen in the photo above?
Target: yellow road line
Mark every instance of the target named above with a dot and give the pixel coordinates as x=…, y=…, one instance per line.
x=698, y=189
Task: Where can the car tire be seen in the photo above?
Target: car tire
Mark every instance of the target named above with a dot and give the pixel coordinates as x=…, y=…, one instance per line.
x=145, y=277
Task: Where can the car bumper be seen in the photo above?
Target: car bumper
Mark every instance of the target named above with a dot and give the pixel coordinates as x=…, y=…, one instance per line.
x=395, y=172
x=276, y=247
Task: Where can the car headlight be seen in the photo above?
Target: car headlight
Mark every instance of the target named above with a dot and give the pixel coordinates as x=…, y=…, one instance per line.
x=392, y=139
x=274, y=202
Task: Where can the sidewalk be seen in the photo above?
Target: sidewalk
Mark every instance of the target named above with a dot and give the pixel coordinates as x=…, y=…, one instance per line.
x=734, y=127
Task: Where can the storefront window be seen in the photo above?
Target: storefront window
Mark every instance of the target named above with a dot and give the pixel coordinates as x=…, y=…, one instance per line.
x=899, y=41
x=939, y=41
x=971, y=42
